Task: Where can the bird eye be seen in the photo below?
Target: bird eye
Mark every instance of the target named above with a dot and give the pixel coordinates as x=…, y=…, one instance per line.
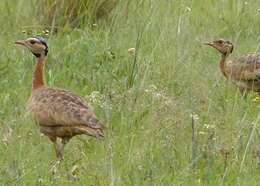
x=32, y=42
x=220, y=42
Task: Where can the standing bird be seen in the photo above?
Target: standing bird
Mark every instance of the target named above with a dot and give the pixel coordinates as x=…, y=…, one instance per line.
x=243, y=71
x=60, y=113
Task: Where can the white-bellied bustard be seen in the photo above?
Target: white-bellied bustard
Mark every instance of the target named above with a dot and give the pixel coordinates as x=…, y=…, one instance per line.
x=243, y=71
x=59, y=113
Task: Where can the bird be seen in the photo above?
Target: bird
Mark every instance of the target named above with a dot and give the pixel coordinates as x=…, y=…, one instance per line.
x=243, y=71
x=60, y=114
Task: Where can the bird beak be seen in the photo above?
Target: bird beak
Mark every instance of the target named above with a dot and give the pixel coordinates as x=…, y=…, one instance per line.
x=209, y=43
x=20, y=42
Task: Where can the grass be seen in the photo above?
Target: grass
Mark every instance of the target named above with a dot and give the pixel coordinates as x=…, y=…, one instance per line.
x=61, y=14
x=171, y=117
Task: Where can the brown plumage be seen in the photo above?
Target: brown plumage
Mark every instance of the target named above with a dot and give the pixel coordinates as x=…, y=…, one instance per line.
x=243, y=71
x=59, y=113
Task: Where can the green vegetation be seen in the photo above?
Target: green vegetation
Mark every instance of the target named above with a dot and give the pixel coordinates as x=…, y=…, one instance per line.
x=60, y=14
x=171, y=116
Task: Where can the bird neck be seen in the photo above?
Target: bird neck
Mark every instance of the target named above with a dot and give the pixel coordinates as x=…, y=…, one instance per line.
x=38, y=75
x=222, y=64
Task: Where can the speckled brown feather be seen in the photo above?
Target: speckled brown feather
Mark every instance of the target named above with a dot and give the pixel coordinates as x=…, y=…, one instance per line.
x=245, y=71
x=247, y=67
x=55, y=108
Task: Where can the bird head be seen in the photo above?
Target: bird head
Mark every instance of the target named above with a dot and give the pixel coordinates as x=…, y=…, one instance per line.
x=36, y=45
x=223, y=46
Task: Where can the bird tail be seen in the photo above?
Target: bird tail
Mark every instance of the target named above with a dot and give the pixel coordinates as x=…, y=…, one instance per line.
x=98, y=133
x=94, y=132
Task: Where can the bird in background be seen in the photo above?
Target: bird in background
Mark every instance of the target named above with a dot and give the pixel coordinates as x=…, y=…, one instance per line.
x=61, y=114
x=243, y=71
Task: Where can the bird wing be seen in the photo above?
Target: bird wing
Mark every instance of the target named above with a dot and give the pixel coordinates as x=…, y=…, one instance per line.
x=246, y=68
x=57, y=107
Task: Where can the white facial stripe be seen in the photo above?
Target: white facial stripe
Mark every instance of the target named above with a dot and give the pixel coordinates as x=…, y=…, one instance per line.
x=33, y=39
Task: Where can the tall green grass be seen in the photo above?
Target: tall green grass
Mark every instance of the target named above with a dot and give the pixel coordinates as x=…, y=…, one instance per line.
x=171, y=117
x=64, y=14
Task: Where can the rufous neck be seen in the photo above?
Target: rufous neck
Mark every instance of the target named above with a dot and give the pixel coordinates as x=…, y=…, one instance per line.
x=38, y=75
x=222, y=64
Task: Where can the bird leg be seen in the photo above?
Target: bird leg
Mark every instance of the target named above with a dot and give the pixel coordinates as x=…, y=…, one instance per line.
x=58, y=155
x=243, y=92
x=59, y=145
x=54, y=167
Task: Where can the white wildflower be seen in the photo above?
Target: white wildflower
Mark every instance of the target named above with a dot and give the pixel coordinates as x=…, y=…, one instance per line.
x=194, y=116
x=206, y=126
x=188, y=9
x=131, y=51
x=157, y=95
x=97, y=98
x=75, y=171
x=140, y=167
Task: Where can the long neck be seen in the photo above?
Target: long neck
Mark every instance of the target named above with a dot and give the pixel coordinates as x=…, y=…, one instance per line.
x=38, y=75
x=222, y=64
